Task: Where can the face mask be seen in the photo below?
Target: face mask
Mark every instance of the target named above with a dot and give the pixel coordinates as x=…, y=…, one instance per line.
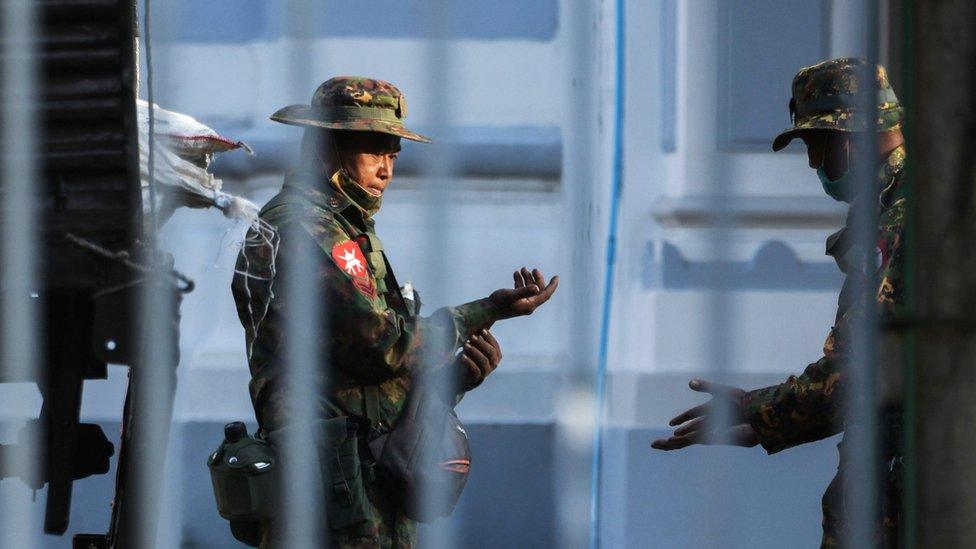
x=367, y=202
x=840, y=189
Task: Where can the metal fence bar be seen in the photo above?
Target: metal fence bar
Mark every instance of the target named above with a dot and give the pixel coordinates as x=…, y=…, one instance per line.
x=152, y=377
x=574, y=402
x=861, y=437
x=706, y=165
x=303, y=512
x=21, y=341
x=440, y=169
x=909, y=370
x=305, y=356
x=942, y=322
x=720, y=306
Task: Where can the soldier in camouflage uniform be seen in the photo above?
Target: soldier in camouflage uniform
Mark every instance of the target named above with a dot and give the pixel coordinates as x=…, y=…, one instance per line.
x=808, y=407
x=374, y=341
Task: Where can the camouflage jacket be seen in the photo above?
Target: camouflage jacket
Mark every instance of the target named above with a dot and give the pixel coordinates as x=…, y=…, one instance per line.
x=371, y=337
x=808, y=407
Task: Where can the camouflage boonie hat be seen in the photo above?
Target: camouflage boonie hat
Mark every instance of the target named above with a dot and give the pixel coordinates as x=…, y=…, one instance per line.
x=353, y=103
x=825, y=98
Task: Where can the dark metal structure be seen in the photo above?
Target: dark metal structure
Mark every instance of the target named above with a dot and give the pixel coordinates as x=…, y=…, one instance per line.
x=90, y=200
x=942, y=331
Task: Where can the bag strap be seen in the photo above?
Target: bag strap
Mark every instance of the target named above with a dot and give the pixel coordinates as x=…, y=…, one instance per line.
x=420, y=387
x=372, y=395
x=394, y=287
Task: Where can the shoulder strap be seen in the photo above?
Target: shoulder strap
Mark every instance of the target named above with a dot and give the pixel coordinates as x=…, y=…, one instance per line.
x=372, y=395
x=394, y=286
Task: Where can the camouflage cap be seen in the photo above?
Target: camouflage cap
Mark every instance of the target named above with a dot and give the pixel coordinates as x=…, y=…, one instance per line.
x=353, y=103
x=825, y=98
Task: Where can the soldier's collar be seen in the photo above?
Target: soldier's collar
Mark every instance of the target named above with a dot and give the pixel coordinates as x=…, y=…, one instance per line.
x=317, y=190
x=890, y=181
x=889, y=177
x=892, y=164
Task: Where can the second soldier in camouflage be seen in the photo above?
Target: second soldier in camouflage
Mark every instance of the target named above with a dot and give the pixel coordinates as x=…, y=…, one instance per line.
x=809, y=407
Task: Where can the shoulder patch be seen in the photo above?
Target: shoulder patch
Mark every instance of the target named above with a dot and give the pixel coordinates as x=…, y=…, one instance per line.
x=350, y=259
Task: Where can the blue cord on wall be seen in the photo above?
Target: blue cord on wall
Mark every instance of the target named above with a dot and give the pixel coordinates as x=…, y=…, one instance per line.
x=616, y=179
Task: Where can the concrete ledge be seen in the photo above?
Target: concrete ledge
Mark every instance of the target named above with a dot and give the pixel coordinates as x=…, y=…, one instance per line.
x=747, y=212
x=774, y=267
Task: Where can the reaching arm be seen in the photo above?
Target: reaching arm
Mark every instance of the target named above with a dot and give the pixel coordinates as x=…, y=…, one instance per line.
x=810, y=407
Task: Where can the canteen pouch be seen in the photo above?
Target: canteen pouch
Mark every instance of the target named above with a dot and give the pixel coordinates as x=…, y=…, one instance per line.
x=425, y=459
x=340, y=473
x=242, y=472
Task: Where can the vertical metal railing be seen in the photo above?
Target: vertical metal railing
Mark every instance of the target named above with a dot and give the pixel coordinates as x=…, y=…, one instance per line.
x=152, y=375
x=721, y=305
x=861, y=436
x=909, y=529
x=580, y=187
x=306, y=358
x=439, y=175
x=21, y=352
x=941, y=320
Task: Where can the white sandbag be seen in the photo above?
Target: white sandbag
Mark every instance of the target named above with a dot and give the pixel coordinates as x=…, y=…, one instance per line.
x=185, y=135
x=184, y=149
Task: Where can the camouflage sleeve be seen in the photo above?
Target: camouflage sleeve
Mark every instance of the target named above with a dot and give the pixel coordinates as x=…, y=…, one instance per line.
x=374, y=342
x=809, y=407
x=802, y=409
x=473, y=316
x=368, y=338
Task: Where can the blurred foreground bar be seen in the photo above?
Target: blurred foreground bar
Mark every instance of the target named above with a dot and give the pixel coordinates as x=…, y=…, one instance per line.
x=86, y=289
x=942, y=270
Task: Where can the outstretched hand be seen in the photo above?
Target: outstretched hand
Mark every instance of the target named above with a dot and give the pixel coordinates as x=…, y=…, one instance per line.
x=529, y=293
x=698, y=425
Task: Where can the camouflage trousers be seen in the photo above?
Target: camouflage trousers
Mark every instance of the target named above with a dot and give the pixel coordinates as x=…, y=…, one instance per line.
x=836, y=507
x=387, y=528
